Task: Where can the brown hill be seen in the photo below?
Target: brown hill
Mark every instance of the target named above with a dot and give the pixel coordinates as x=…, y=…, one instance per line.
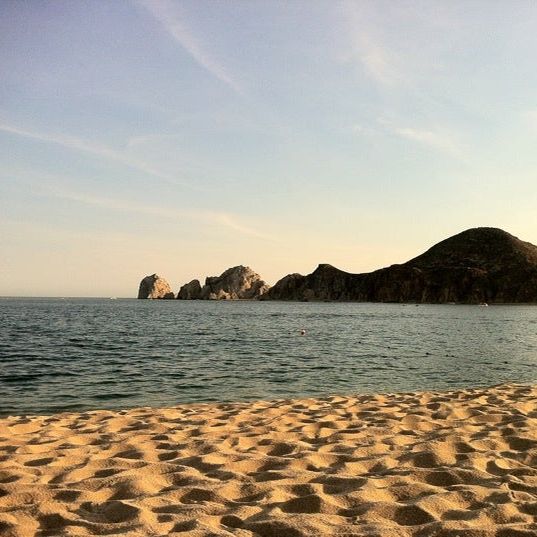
x=477, y=265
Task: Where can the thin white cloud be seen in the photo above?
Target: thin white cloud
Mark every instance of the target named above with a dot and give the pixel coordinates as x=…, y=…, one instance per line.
x=168, y=14
x=223, y=219
x=376, y=38
x=92, y=148
x=438, y=139
x=378, y=61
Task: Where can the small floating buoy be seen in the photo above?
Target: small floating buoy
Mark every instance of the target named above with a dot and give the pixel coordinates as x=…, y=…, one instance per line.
x=302, y=332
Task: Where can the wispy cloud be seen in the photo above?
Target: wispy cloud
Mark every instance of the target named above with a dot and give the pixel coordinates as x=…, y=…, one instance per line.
x=92, y=148
x=379, y=62
x=376, y=37
x=435, y=139
x=169, y=15
x=223, y=219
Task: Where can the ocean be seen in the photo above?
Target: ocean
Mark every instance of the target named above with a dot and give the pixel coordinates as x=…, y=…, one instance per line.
x=79, y=354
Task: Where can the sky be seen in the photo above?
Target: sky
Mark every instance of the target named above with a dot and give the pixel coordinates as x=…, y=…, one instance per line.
x=186, y=137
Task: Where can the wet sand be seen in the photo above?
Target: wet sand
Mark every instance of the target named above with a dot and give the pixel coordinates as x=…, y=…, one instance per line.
x=452, y=464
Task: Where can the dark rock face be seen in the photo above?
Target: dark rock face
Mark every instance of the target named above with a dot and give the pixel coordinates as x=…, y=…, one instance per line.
x=190, y=291
x=477, y=265
x=234, y=284
x=155, y=287
x=325, y=283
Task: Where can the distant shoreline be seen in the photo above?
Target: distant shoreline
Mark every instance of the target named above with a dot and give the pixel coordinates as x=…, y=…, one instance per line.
x=250, y=300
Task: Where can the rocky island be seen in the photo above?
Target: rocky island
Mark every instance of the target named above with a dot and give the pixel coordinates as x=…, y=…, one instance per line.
x=236, y=283
x=155, y=287
x=478, y=265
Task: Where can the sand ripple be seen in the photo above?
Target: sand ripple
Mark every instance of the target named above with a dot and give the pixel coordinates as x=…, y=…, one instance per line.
x=446, y=464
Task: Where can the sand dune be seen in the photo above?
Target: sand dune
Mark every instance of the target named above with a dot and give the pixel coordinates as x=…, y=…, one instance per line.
x=450, y=464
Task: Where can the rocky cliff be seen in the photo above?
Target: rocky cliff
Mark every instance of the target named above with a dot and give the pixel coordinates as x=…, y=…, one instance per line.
x=190, y=291
x=233, y=284
x=155, y=287
x=477, y=265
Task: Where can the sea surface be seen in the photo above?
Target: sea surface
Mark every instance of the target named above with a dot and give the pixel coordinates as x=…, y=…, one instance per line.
x=77, y=354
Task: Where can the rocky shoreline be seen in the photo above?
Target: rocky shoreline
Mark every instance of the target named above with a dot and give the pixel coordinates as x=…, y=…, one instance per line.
x=236, y=283
x=479, y=265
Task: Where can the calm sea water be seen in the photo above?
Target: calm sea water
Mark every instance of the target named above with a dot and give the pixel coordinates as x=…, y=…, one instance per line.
x=79, y=354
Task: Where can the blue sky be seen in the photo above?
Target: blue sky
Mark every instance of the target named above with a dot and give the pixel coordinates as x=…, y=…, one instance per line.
x=187, y=137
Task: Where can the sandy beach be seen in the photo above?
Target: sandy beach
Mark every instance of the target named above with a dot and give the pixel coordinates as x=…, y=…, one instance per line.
x=459, y=463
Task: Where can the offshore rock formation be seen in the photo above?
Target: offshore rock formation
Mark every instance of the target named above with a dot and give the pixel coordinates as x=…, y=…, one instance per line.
x=190, y=291
x=154, y=287
x=478, y=265
x=234, y=284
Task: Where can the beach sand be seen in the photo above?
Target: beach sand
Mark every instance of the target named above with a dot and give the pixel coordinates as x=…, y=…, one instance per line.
x=454, y=464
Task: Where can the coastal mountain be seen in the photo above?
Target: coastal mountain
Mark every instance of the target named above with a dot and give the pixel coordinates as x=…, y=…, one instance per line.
x=475, y=266
x=478, y=265
x=236, y=283
x=155, y=287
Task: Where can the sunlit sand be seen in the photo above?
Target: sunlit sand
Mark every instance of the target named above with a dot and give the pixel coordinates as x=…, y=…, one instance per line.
x=459, y=463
